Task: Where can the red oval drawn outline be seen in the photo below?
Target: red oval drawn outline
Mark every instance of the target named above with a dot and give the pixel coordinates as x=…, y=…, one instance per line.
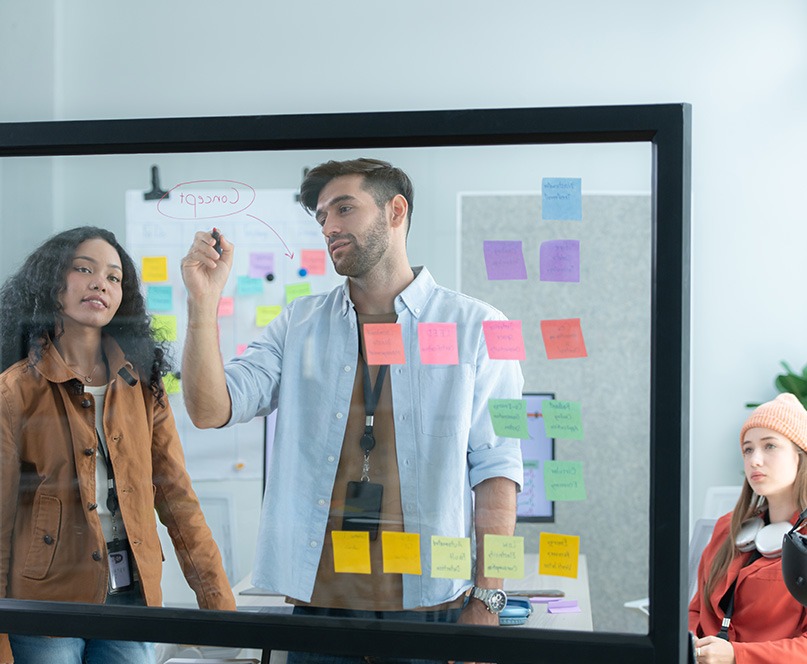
x=205, y=216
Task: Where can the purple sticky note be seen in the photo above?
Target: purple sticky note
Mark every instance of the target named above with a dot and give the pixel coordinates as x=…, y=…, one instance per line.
x=504, y=259
x=563, y=606
x=261, y=263
x=560, y=260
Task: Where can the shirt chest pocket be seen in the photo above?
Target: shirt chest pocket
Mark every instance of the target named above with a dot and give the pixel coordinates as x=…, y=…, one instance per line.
x=446, y=398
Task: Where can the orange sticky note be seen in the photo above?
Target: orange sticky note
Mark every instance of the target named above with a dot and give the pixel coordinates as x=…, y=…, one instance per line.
x=383, y=343
x=563, y=339
x=504, y=339
x=351, y=552
x=313, y=261
x=154, y=268
x=401, y=552
x=438, y=343
x=226, y=306
x=558, y=554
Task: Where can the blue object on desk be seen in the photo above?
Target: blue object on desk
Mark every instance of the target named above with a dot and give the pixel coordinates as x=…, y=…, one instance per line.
x=516, y=611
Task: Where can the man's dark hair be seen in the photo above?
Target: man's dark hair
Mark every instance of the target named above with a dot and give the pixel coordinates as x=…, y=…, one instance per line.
x=380, y=178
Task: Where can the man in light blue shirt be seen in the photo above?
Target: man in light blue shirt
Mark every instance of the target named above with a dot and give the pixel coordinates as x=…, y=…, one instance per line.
x=439, y=468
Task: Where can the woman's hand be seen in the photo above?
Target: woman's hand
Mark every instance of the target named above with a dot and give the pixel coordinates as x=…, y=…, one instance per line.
x=712, y=650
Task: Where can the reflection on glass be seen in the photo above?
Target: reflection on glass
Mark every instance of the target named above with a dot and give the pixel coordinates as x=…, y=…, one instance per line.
x=579, y=288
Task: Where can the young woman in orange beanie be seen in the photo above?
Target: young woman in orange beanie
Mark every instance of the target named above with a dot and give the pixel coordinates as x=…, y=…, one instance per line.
x=742, y=612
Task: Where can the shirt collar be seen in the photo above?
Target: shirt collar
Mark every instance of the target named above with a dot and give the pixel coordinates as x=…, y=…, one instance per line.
x=413, y=297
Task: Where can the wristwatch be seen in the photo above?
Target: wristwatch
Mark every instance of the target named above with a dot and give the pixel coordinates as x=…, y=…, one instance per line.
x=493, y=598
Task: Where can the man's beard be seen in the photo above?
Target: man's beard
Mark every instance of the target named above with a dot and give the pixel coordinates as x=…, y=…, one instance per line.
x=361, y=258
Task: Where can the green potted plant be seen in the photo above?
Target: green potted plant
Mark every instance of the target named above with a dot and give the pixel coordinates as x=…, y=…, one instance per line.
x=790, y=381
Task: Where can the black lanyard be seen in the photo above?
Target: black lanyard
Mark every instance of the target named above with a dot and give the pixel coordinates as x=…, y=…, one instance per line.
x=372, y=394
x=111, y=494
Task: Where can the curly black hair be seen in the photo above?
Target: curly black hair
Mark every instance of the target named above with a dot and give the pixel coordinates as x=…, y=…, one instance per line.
x=30, y=311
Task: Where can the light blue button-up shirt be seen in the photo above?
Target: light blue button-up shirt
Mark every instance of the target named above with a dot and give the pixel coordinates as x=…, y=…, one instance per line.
x=304, y=364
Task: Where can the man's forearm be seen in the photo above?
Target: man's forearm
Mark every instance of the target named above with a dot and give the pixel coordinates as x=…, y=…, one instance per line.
x=494, y=514
x=204, y=385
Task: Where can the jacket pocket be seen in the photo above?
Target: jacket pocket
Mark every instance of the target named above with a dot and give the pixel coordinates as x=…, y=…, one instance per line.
x=47, y=524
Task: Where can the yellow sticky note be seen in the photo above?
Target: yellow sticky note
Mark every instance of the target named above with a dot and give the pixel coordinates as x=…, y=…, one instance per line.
x=171, y=383
x=265, y=314
x=164, y=327
x=558, y=554
x=351, y=552
x=154, y=268
x=401, y=552
x=293, y=291
x=504, y=557
x=451, y=557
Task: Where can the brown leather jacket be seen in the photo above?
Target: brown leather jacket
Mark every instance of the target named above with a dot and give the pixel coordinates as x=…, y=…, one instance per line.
x=51, y=543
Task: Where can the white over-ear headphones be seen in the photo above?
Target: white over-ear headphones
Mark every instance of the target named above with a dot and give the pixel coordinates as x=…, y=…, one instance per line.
x=767, y=539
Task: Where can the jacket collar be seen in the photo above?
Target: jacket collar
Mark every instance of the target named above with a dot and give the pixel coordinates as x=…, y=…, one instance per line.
x=53, y=367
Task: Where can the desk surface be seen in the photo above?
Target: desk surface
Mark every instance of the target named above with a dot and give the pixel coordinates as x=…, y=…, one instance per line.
x=575, y=589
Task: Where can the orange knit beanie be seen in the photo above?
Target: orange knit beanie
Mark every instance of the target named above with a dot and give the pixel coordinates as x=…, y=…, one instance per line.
x=785, y=415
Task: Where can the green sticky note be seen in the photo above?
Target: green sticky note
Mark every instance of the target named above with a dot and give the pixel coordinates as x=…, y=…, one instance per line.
x=164, y=327
x=451, y=557
x=265, y=314
x=563, y=480
x=171, y=383
x=293, y=291
x=504, y=557
x=562, y=419
x=509, y=417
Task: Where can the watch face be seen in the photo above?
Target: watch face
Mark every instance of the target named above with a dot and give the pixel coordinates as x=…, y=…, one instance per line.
x=497, y=601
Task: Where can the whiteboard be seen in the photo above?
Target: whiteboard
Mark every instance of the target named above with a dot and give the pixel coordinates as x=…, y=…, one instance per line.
x=273, y=235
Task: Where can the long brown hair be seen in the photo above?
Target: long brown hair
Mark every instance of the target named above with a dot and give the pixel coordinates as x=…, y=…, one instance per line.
x=750, y=505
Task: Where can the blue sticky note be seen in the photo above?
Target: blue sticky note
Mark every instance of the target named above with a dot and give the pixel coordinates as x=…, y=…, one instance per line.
x=249, y=286
x=562, y=199
x=159, y=298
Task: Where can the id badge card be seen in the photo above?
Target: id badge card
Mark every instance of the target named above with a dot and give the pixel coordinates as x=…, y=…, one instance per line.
x=120, y=570
x=363, y=507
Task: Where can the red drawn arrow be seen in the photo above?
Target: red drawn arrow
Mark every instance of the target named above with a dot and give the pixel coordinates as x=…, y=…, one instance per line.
x=289, y=252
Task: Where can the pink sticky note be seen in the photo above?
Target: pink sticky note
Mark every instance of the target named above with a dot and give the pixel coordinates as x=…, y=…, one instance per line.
x=563, y=339
x=438, y=343
x=240, y=348
x=383, y=343
x=313, y=261
x=504, y=339
x=226, y=306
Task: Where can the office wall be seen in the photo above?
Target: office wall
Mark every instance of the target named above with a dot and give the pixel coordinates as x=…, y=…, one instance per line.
x=742, y=64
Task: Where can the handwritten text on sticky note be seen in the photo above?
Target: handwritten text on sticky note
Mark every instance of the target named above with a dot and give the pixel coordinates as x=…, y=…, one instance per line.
x=248, y=286
x=560, y=260
x=265, y=314
x=504, y=339
x=451, y=557
x=509, y=417
x=159, y=298
x=164, y=327
x=562, y=419
x=383, y=343
x=293, y=291
x=558, y=554
x=401, y=552
x=563, y=339
x=226, y=307
x=351, y=552
x=154, y=268
x=504, y=557
x=438, y=343
x=504, y=259
x=563, y=480
x=261, y=264
x=561, y=199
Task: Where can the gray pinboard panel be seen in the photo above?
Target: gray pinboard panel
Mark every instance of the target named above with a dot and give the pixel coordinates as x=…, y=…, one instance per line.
x=612, y=384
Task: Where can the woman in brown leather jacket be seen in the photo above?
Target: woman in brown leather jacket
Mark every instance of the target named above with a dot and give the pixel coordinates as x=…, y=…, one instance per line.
x=89, y=449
